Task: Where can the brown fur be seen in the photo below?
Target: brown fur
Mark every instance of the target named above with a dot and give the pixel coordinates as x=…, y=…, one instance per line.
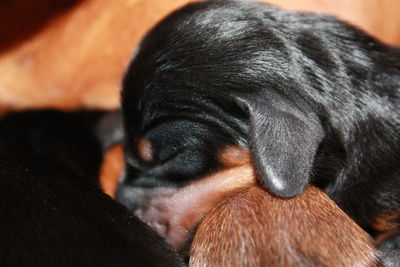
x=387, y=224
x=233, y=156
x=253, y=228
x=386, y=236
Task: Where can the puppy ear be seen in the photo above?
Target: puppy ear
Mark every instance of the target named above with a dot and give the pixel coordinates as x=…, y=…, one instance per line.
x=283, y=142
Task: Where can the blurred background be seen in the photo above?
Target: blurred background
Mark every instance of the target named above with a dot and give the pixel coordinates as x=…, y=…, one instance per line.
x=71, y=54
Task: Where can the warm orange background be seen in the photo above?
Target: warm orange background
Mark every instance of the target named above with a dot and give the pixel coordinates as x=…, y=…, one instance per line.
x=71, y=54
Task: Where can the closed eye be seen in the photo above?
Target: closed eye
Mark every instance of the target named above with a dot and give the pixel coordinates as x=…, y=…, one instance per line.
x=171, y=156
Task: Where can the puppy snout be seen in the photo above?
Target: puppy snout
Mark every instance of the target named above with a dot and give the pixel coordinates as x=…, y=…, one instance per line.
x=149, y=205
x=129, y=196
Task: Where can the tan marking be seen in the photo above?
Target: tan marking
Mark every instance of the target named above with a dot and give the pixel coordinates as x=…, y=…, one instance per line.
x=233, y=156
x=144, y=149
x=386, y=221
x=183, y=209
x=110, y=170
x=387, y=235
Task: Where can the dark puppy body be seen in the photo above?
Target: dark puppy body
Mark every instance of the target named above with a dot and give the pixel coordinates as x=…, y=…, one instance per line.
x=313, y=99
x=52, y=211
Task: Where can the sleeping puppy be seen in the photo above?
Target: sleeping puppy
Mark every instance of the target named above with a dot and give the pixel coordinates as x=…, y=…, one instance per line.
x=52, y=211
x=312, y=99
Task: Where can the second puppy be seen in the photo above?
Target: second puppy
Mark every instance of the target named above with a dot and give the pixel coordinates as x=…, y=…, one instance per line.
x=254, y=228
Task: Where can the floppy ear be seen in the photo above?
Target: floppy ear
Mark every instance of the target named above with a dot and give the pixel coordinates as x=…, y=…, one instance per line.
x=283, y=142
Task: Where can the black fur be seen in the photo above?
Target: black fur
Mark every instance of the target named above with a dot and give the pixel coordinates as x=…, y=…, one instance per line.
x=315, y=100
x=52, y=211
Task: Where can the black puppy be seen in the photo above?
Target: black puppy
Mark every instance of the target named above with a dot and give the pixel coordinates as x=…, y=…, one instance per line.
x=52, y=211
x=313, y=100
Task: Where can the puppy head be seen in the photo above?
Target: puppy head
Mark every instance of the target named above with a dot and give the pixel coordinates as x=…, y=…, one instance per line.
x=169, y=144
x=210, y=76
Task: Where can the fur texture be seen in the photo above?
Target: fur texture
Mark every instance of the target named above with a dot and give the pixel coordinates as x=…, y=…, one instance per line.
x=308, y=230
x=314, y=100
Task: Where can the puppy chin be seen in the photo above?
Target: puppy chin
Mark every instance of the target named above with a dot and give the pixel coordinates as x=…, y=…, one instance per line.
x=175, y=212
x=160, y=209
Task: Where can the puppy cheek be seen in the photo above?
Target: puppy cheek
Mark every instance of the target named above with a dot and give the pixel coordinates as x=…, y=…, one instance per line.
x=134, y=198
x=233, y=156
